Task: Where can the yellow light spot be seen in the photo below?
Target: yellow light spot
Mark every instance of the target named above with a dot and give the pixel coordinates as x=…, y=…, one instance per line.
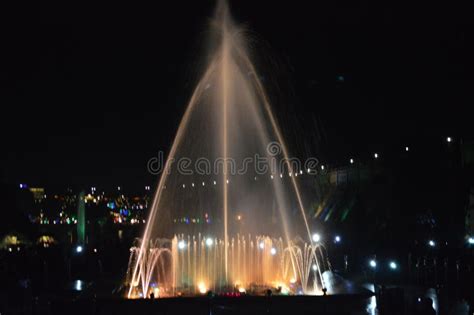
x=202, y=288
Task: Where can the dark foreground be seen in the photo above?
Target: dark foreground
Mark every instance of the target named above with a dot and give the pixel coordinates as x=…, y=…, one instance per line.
x=337, y=304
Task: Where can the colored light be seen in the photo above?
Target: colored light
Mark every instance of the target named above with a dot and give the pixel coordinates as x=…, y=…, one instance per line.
x=202, y=288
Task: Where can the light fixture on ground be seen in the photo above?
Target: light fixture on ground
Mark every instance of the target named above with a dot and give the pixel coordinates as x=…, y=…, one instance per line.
x=202, y=287
x=316, y=237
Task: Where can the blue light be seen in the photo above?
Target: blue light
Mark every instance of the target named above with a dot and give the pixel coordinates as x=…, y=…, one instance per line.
x=393, y=265
x=373, y=264
x=79, y=249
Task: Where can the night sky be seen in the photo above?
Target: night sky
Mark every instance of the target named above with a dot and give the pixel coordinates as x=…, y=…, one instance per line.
x=91, y=91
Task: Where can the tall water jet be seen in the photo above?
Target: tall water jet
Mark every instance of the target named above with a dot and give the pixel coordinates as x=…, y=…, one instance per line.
x=218, y=219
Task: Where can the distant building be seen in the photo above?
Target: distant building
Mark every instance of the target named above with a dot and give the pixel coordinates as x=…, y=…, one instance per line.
x=38, y=194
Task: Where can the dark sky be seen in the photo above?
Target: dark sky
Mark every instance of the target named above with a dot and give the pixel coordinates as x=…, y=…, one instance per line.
x=91, y=91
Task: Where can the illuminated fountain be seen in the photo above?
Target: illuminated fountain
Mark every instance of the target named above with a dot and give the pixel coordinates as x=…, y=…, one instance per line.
x=221, y=224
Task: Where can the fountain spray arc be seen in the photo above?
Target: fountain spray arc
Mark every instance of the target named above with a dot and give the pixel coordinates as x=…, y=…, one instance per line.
x=228, y=117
